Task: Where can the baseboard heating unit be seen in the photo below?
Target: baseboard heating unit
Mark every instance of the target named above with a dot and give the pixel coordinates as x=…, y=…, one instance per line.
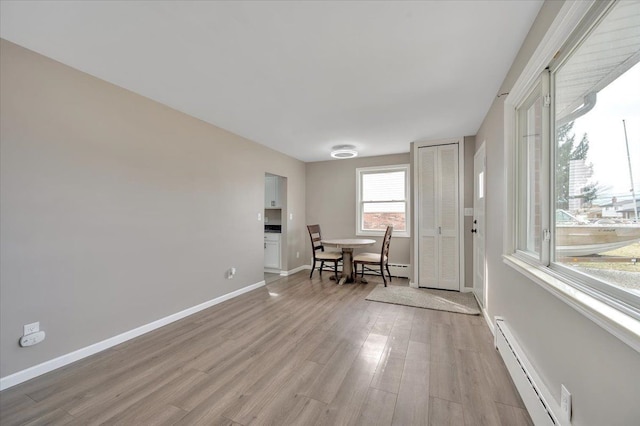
x=536, y=397
x=399, y=270
x=396, y=269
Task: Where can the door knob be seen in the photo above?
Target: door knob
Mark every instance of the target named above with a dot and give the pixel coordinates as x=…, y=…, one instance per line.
x=473, y=231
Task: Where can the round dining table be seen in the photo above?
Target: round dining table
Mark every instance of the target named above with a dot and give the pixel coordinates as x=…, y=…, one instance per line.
x=347, y=245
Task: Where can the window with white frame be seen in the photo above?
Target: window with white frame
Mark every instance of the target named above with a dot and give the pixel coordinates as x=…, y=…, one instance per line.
x=383, y=194
x=576, y=160
x=531, y=167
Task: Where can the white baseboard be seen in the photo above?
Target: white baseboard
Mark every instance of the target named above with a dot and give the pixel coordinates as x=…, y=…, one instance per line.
x=294, y=270
x=61, y=361
x=492, y=328
x=485, y=314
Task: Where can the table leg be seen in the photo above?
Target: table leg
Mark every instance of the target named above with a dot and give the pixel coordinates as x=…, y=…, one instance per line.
x=347, y=266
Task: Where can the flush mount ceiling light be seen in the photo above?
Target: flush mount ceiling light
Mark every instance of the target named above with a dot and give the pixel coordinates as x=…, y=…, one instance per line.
x=344, y=151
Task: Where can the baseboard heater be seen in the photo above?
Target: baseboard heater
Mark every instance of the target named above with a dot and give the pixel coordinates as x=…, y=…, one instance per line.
x=534, y=394
x=397, y=269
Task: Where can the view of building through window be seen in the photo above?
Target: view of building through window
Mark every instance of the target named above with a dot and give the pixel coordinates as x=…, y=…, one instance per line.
x=383, y=200
x=597, y=167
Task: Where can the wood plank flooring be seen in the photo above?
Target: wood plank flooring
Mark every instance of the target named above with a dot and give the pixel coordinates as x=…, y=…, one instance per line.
x=299, y=351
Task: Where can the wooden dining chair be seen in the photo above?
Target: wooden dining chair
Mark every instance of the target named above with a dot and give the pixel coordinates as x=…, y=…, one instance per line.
x=319, y=254
x=381, y=259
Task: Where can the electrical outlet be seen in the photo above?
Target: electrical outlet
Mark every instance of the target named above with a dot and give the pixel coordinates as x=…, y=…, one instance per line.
x=31, y=328
x=231, y=272
x=565, y=404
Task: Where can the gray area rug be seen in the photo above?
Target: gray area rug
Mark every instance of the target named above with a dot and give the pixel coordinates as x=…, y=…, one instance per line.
x=441, y=300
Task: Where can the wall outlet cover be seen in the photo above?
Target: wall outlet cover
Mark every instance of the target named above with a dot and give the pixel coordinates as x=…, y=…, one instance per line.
x=34, y=327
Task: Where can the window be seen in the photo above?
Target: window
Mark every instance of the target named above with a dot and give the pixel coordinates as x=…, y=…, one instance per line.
x=572, y=215
x=597, y=154
x=382, y=200
x=532, y=168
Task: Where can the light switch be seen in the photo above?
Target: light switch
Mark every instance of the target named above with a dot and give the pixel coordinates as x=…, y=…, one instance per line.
x=259, y=217
x=290, y=216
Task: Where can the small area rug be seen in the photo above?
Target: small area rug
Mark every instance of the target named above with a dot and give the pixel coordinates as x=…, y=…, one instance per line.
x=441, y=300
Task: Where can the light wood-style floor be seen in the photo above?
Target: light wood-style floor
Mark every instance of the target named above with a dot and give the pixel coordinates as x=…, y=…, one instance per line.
x=297, y=352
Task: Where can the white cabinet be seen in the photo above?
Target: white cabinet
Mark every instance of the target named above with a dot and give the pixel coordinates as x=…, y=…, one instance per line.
x=272, y=251
x=272, y=197
x=438, y=237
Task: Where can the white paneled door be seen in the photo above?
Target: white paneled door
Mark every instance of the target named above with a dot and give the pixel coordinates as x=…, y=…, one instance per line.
x=439, y=221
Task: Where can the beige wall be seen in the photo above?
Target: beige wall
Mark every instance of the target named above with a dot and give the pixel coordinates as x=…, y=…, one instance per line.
x=117, y=211
x=331, y=201
x=565, y=347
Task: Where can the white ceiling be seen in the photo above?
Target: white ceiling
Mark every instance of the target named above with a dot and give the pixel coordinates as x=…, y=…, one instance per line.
x=298, y=77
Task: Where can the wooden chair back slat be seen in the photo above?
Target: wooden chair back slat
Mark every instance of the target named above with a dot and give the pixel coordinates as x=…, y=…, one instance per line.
x=316, y=237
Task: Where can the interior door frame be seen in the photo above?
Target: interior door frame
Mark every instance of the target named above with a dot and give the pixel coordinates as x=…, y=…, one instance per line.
x=482, y=226
x=414, y=246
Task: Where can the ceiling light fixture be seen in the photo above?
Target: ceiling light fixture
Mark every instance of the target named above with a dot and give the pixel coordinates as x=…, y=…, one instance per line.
x=344, y=151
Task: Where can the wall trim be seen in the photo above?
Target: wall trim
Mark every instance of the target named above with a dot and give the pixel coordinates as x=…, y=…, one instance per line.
x=53, y=364
x=294, y=270
x=485, y=314
x=565, y=22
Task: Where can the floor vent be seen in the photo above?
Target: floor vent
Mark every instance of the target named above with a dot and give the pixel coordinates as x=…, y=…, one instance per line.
x=534, y=394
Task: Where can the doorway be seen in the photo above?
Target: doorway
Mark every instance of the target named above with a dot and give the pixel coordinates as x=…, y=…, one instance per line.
x=275, y=225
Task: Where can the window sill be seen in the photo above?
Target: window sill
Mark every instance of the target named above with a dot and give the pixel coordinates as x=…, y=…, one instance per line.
x=621, y=325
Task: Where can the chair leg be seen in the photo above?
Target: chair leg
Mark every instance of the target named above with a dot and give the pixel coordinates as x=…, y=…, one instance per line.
x=335, y=270
x=389, y=273
x=361, y=272
x=313, y=268
x=382, y=273
x=321, y=267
